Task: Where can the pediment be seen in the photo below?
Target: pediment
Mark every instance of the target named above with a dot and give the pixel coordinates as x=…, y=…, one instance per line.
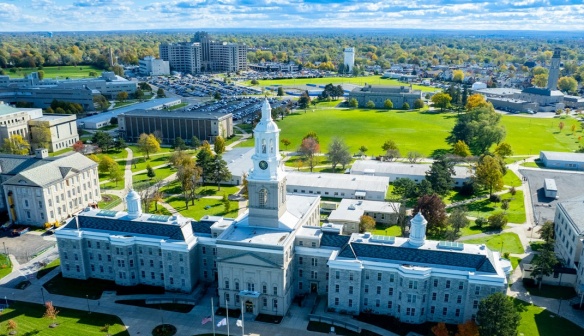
x=250, y=259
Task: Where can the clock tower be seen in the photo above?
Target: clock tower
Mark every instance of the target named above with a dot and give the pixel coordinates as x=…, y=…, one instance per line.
x=266, y=182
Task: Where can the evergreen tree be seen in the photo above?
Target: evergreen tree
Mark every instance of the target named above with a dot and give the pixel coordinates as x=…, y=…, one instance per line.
x=440, y=175
x=497, y=316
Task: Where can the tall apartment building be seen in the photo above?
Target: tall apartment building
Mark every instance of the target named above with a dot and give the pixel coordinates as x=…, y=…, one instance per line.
x=278, y=250
x=204, y=54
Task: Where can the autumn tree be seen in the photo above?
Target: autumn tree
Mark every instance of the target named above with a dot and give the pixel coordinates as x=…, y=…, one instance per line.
x=79, y=146
x=503, y=150
x=388, y=104
x=468, y=328
x=122, y=96
x=309, y=150
x=188, y=175
x=434, y=210
x=540, y=80
x=440, y=329
x=15, y=144
x=460, y=148
x=441, y=100
x=40, y=136
x=476, y=100
x=115, y=173
x=567, y=84
x=497, y=316
x=51, y=312
x=338, y=153
x=11, y=327
x=561, y=126
x=457, y=76
x=219, y=145
x=488, y=174
x=105, y=164
x=148, y=144
x=366, y=224
x=286, y=143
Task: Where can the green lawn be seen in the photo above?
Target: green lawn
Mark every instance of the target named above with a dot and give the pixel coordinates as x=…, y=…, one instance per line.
x=473, y=229
x=161, y=173
x=513, y=159
x=510, y=179
x=80, y=71
x=48, y=268
x=250, y=143
x=372, y=127
x=108, y=201
x=116, y=154
x=140, y=163
x=5, y=266
x=215, y=207
x=514, y=261
x=537, y=321
x=485, y=208
x=178, y=106
x=119, y=104
x=30, y=321
x=112, y=186
x=62, y=151
x=390, y=231
x=160, y=211
x=504, y=242
x=206, y=190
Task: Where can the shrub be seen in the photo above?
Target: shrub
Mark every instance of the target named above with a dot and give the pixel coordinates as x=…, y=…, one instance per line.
x=48, y=225
x=254, y=82
x=495, y=198
x=467, y=189
x=512, y=191
x=57, y=224
x=506, y=255
x=498, y=220
x=481, y=221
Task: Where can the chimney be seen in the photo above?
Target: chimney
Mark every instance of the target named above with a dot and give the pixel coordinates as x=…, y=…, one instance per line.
x=41, y=153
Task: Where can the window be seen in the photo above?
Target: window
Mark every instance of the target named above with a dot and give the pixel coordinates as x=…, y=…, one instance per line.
x=336, y=301
x=227, y=297
x=459, y=299
x=447, y=283
x=350, y=276
x=262, y=197
x=365, y=301
x=390, y=292
x=350, y=289
x=378, y=290
x=300, y=273
x=300, y=260
x=444, y=311
x=461, y=285
x=237, y=285
x=446, y=297
x=391, y=278
x=434, y=296
x=275, y=304
x=313, y=274
x=457, y=313
x=378, y=276
x=275, y=290
x=250, y=287
x=314, y=262
x=477, y=290
x=435, y=283
x=350, y=303
x=300, y=285
x=432, y=310
x=389, y=304
x=337, y=288
x=226, y=284
x=475, y=304
x=337, y=274
x=264, y=289
x=366, y=288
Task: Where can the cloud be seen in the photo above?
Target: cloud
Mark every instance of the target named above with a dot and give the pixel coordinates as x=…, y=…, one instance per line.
x=93, y=3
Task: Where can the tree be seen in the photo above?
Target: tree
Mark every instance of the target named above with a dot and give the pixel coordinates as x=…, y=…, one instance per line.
x=497, y=220
x=51, y=312
x=440, y=329
x=405, y=106
x=217, y=95
x=204, y=158
x=440, y=175
x=105, y=329
x=544, y=265
x=309, y=148
x=353, y=103
x=120, y=144
x=418, y=104
x=503, y=150
x=567, y=84
x=338, y=153
x=103, y=140
x=540, y=80
x=139, y=94
x=461, y=149
x=405, y=188
x=497, y=316
x=115, y=174
x=547, y=232
x=458, y=76
x=280, y=94
x=475, y=101
x=79, y=146
x=286, y=143
x=41, y=74
x=105, y=164
x=218, y=171
x=15, y=144
x=122, y=96
x=434, y=210
x=40, y=136
x=414, y=156
x=488, y=174
x=160, y=93
x=366, y=224
x=219, y=145
x=226, y=203
x=479, y=128
x=179, y=144
x=441, y=100
x=114, y=120
x=458, y=221
x=188, y=175
x=363, y=150
x=388, y=104
x=254, y=82
x=195, y=142
x=304, y=100
x=468, y=328
x=150, y=172
x=93, y=158
x=561, y=125
x=370, y=104
x=148, y=144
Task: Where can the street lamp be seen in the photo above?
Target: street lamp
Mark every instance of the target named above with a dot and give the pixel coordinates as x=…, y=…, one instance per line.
x=87, y=299
x=43, y=295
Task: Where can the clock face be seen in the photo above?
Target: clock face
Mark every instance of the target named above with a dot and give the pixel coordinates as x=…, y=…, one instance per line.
x=263, y=165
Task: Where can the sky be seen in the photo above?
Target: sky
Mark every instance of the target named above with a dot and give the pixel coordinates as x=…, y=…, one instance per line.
x=88, y=15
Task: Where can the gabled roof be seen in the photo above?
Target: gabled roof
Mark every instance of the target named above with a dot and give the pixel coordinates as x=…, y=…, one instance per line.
x=334, y=239
x=415, y=256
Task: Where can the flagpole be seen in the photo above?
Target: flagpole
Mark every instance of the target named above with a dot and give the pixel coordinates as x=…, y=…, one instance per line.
x=213, y=314
x=242, y=318
x=227, y=314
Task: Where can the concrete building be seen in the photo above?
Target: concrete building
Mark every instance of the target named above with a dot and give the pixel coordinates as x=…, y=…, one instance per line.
x=349, y=59
x=172, y=124
x=415, y=172
x=274, y=67
x=349, y=212
x=204, y=54
x=22, y=121
x=151, y=66
x=562, y=160
x=569, y=234
x=371, y=188
x=277, y=250
x=39, y=189
x=378, y=94
x=103, y=119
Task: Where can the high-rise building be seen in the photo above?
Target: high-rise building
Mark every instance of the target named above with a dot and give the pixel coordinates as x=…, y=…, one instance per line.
x=204, y=54
x=349, y=61
x=554, y=72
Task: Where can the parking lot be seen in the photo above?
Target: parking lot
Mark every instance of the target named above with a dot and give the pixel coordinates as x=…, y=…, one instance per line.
x=25, y=247
x=201, y=86
x=569, y=185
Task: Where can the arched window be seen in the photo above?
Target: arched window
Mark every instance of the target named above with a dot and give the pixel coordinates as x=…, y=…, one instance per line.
x=264, y=146
x=263, y=197
x=271, y=146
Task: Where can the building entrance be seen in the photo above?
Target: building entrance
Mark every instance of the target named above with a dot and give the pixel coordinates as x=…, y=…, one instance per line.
x=248, y=307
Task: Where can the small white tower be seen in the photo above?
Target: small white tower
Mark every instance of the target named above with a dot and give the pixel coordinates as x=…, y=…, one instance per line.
x=417, y=230
x=134, y=204
x=349, y=61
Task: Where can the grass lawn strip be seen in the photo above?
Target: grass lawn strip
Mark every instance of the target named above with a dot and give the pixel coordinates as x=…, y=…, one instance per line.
x=63, y=71
x=5, y=266
x=537, y=321
x=202, y=207
x=504, y=242
x=552, y=292
x=485, y=208
x=510, y=179
x=48, y=268
x=29, y=317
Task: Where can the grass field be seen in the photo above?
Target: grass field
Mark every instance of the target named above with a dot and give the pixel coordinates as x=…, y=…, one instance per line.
x=537, y=321
x=362, y=80
x=161, y=173
x=30, y=321
x=390, y=231
x=504, y=242
x=80, y=71
x=485, y=208
x=108, y=201
x=202, y=207
x=510, y=179
x=5, y=266
x=424, y=132
x=62, y=151
x=48, y=268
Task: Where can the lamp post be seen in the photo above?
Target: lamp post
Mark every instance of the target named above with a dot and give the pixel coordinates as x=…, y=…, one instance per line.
x=87, y=299
x=43, y=295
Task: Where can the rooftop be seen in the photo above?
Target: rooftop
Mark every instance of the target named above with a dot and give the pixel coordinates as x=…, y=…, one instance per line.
x=542, y=91
x=338, y=181
x=352, y=210
x=398, y=168
x=151, y=104
x=239, y=160
x=563, y=156
x=574, y=209
x=7, y=109
x=176, y=114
